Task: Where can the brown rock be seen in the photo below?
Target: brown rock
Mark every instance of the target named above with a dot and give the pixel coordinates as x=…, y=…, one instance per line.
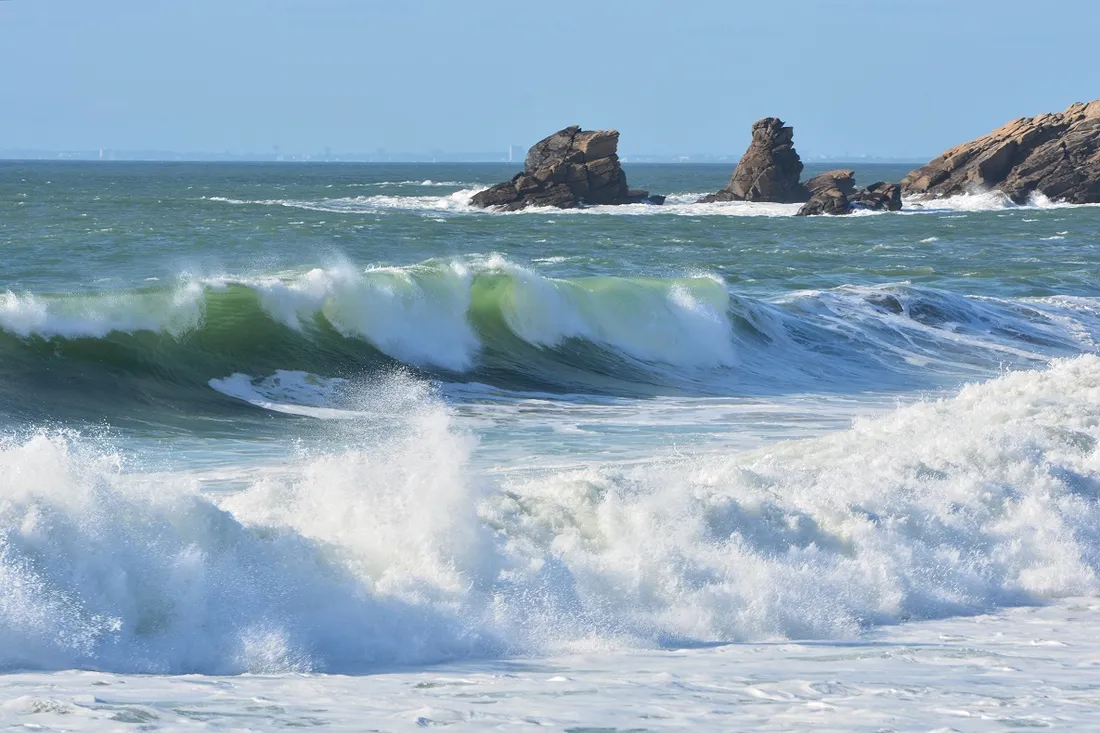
x=603, y=172
x=768, y=171
x=555, y=173
x=835, y=194
x=829, y=200
x=596, y=144
x=842, y=180
x=1057, y=155
x=569, y=168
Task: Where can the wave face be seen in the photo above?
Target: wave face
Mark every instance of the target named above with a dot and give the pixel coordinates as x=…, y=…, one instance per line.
x=395, y=551
x=487, y=319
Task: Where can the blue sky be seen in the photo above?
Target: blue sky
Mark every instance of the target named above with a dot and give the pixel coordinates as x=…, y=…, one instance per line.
x=896, y=78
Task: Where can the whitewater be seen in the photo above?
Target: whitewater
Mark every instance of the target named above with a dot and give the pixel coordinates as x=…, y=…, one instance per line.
x=287, y=446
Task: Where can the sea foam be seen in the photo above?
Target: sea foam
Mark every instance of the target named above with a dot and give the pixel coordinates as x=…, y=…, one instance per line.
x=676, y=204
x=397, y=550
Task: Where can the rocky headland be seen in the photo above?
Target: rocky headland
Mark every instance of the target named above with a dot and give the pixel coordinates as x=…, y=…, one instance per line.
x=1056, y=155
x=771, y=171
x=571, y=168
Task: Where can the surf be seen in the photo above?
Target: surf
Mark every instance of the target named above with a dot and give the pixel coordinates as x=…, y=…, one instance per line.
x=490, y=320
x=395, y=550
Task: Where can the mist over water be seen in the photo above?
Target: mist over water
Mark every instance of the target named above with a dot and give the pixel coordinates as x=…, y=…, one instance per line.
x=287, y=419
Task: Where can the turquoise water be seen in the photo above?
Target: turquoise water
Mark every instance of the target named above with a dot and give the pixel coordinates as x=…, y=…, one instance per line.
x=498, y=433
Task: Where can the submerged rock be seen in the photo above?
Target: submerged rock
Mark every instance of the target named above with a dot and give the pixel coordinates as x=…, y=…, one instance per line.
x=572, y=167
x=1056, y=155
x=768, y=171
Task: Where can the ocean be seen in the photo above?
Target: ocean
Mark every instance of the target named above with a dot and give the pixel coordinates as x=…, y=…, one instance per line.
x=320, y=445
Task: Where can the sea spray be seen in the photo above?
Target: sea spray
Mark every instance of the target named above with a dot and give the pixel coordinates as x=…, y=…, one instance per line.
x=355, y=560
x=393, y=549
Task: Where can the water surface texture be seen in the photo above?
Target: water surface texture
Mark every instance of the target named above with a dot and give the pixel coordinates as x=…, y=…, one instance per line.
x=328, y=420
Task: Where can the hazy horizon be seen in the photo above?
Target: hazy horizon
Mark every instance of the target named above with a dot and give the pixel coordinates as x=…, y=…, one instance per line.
x=387, y=157
x=293, y=78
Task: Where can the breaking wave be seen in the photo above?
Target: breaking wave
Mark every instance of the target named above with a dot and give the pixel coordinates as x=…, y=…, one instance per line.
x=396, y=551
x=490, y=320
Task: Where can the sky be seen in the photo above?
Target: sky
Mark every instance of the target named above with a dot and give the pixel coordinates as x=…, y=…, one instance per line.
x=887, y=78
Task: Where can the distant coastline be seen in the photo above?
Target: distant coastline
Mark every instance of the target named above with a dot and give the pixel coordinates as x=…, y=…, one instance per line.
x=167, y=156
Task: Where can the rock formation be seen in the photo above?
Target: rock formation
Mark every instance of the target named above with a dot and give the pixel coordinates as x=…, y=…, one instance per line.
x=835, y=193
x=829, y=193
x=571, y=168
x=877, y=197
x=768, y=171
x=1057, y=155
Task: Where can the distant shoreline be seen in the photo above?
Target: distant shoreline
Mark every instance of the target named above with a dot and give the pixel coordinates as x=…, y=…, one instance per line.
x=641, y=160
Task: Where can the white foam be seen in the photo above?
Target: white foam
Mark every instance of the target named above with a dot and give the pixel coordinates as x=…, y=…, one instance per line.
x=941, y=508
x=95, y=315
x=145, y=574
x=455, y=202
x=679, y=204
x=981, y=201
x=1020, y=668
x=681, y=322
x=396, y=550
x=416, y=314
x=289, y=392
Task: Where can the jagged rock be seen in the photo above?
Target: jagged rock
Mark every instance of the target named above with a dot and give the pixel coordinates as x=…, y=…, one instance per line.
x=1057, y=155
x=498, y=195
x=842, y=180
x=555, y=194
x=829, y=200
x=597, y=144
x=768, y=171
x=835, y=193
x=878, y=197
x=570, y=168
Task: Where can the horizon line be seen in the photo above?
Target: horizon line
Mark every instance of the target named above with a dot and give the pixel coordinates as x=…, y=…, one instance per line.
x=170, y=156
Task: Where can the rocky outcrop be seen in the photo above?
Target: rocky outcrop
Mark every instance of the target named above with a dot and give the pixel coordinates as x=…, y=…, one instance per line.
x=829, y=193
x=843, y=180
x=1057, y=155
x=768, y=171
x=877, y=197
x=572, y=167
x=835, y=193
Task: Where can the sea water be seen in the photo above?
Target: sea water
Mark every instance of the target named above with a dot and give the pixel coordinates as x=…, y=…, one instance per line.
x=322, y=445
